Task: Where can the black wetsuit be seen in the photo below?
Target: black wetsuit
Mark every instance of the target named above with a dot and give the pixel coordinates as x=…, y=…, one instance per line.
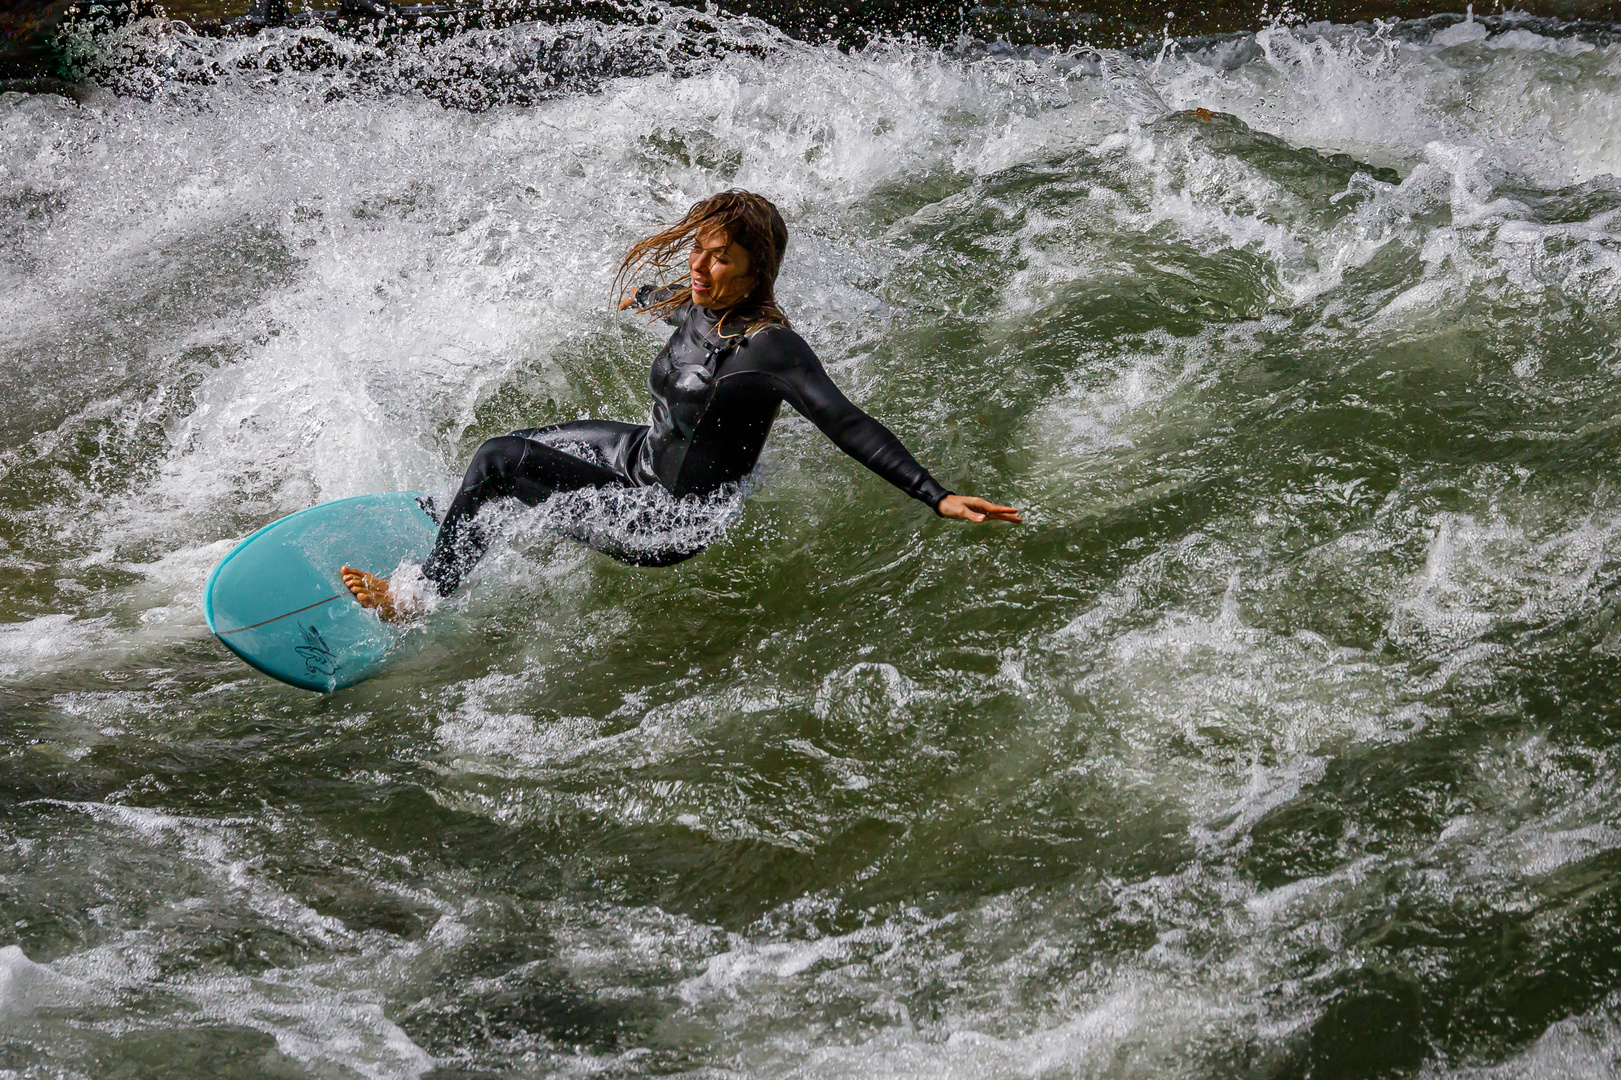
x=714, y=399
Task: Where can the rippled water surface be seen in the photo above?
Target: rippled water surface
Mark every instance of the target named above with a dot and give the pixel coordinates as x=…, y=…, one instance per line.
x=1281, y=740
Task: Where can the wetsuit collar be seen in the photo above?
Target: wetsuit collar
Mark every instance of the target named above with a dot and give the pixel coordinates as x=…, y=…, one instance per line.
x=715, y=345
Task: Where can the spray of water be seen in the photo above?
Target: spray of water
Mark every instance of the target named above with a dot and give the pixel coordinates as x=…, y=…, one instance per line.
x=1286, y=718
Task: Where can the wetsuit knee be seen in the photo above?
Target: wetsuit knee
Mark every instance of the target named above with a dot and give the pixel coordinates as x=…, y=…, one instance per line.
x=496, y=465
x=509, y=466
x=492, y=474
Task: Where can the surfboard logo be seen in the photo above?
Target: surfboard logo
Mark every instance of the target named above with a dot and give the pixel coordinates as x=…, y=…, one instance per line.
x=319, y=659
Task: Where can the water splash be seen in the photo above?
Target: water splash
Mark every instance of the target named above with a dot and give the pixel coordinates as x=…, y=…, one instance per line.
x=1288, y=715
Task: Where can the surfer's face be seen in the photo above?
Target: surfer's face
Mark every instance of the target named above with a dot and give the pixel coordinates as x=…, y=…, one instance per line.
x=720, y=269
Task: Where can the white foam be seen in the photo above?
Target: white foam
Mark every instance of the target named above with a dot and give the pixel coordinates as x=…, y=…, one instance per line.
x=1582, y=1047
x=48, y=641
x=1526, y=41
x=312, y=1016
x=1380, y=99
x=1467, y=32
x=413, y=278
x=26, y=986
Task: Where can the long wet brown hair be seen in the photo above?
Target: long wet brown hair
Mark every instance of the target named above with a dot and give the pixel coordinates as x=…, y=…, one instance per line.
x=748, y=220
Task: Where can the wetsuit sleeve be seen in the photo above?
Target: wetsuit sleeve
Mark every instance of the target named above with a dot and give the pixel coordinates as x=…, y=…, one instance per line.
x=804, y=384
x=648, y=295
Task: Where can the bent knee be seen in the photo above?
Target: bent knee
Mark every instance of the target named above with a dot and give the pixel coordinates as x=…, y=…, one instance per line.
x=496, y=460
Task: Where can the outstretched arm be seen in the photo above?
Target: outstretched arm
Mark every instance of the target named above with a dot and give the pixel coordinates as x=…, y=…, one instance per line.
x=647, y=296
x=806, y=386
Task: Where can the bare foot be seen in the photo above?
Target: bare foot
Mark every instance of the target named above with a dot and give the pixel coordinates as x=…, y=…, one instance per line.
x=373, y=592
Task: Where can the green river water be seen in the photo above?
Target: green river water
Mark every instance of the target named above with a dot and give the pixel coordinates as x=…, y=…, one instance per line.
x=1282, y=740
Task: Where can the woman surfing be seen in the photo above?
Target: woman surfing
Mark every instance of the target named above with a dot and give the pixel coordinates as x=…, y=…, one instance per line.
x=717, y=386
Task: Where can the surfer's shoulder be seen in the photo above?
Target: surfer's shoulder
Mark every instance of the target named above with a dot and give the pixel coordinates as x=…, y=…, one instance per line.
x=776, y=346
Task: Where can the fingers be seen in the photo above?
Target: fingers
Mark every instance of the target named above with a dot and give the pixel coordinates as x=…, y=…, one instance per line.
x=977, y=510
x=963, y=512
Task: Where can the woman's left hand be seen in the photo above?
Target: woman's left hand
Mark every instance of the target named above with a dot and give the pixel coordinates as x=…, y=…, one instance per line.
x=968, y=508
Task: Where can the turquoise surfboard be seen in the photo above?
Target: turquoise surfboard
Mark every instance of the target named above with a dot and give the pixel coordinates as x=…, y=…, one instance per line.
x=278, y=602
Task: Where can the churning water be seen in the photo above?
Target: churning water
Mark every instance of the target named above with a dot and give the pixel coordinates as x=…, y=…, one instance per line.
x=1281, y=741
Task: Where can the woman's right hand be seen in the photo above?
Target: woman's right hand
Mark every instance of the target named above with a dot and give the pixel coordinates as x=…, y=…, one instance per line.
x=968, y=508
x=630, y=298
